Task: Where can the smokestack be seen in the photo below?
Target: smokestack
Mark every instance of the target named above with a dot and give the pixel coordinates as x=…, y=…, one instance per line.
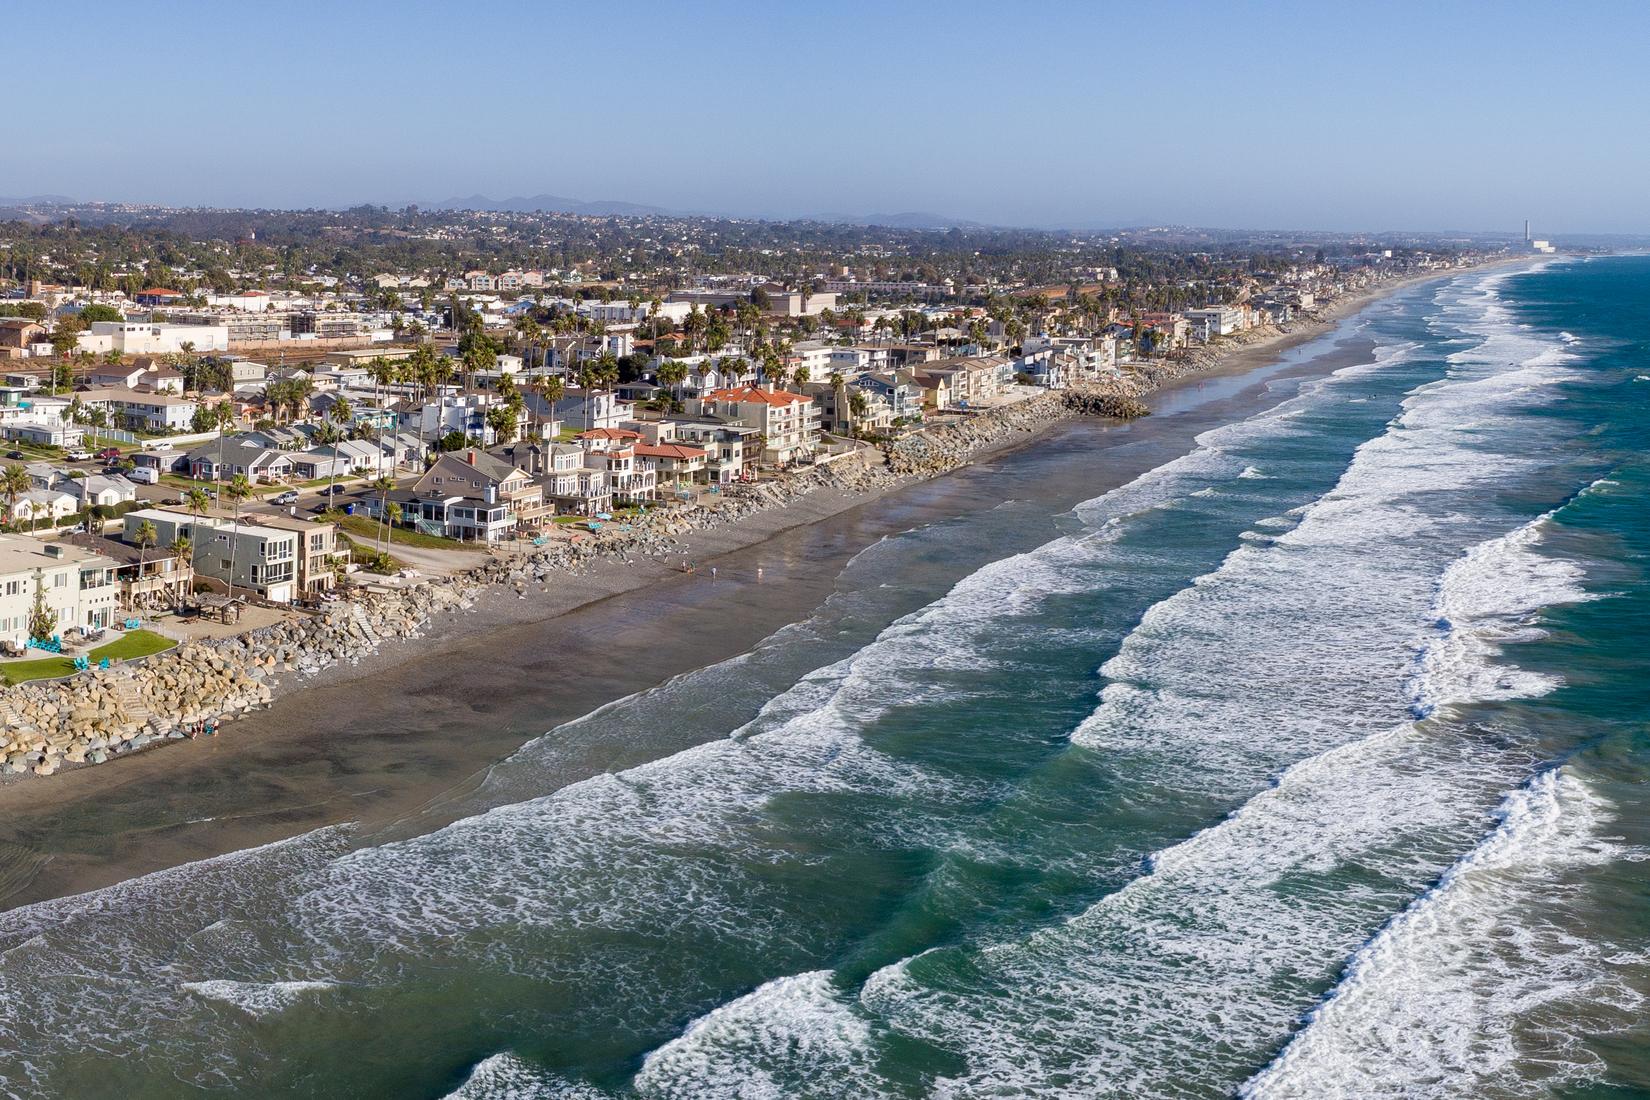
x=472, y=458
x=1526, y=230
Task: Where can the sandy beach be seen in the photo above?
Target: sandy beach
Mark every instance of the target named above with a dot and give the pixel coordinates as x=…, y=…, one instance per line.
x=405, y=730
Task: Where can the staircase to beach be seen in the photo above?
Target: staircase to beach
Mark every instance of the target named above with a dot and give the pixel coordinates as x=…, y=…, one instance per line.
x=132, y=703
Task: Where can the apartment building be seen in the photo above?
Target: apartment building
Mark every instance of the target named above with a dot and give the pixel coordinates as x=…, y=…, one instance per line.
x=256, y=559
x=788, y=422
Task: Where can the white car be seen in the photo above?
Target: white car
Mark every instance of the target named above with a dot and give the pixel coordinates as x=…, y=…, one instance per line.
x=78, y=455
x=158, y=445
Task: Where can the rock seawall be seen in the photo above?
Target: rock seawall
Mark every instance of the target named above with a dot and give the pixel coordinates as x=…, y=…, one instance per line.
x=98, y=715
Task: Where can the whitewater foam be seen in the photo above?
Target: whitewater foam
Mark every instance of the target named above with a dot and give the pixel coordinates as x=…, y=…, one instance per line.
x=1471, y=982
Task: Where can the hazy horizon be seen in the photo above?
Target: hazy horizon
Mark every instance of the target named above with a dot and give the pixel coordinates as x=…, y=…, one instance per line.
x=1403, y=120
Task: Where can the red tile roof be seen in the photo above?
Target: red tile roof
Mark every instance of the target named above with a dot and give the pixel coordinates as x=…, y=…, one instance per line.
x=678, y=451
x=609, y=433
x=748, y=393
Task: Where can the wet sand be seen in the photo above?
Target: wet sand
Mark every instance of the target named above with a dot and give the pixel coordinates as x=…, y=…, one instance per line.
x=418, y=724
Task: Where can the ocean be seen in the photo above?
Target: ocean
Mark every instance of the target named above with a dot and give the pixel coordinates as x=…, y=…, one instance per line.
x=1310, y=763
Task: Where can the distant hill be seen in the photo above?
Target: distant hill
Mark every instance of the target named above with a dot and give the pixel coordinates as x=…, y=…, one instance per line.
x=38, y=200
x=913, y=219
x=550, y=204
x=561, y=204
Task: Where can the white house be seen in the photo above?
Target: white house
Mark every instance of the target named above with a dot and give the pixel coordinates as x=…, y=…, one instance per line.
x=77, y=586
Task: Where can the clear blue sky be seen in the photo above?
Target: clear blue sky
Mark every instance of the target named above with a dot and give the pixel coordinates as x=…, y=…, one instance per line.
x=1391, y=115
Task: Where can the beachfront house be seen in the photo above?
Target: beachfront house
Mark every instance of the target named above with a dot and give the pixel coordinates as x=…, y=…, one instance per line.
x=572, y=482
x=787, y=422
x=473, y=496
x=319, y=554
x=77, y=586
x=726, y=444
x=147, y=577
x=258, y=560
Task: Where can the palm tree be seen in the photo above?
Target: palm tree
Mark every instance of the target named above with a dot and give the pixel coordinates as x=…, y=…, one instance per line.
x=839, y=397
x=672, y=373
x=238, y=490
x=588, y=374
x=14, y=482
x=222, y=417
x=384, y=485
x=383, y=373
x=146, y=537
x=183, y=549
x=339, y=415
x=552, y=388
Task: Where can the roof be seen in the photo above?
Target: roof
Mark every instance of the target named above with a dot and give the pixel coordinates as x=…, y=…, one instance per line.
x=19, y=554
x=679, y=451
x=749, y=393
x=156, y=291
x=475, y=461
x=609, y=433
x=108, y=546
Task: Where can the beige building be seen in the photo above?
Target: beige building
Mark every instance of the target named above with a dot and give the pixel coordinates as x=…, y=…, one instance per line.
x=788, y=422
x=78, y=586
x=318, y=550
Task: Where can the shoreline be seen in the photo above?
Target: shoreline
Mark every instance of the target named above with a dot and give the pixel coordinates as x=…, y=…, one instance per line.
x=304, y=774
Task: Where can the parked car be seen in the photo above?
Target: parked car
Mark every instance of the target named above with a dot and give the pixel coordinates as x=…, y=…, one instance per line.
x=157, y=445
x=15, y=454
x=145, y=475
x=110, y=454
x=79, y=455
x=283, y=499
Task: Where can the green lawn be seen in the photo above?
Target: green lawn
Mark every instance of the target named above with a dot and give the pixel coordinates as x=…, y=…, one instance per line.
x=33, y=450
x=366, y=527
x=134, y=643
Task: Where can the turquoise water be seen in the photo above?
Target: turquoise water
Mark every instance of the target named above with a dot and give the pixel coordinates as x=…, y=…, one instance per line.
x=1311, y=763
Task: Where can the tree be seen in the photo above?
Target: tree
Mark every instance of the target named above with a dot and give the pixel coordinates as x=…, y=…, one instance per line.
x=97, y=311
x=384, y=485
x=222, y=417
x=839, y=397
x=183, y=549
x=238, y=490
x=14, y=482
x=199, y=502
x=672, y=373
x=42, y=619
x=146, y=537
x=65, y=338
x=502, y=419
x=551, y=388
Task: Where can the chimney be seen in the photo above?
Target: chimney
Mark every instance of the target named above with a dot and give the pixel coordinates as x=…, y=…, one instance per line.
x=472, y=457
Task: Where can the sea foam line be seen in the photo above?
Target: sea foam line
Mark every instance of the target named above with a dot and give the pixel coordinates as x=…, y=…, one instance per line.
x=1431, y=1006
